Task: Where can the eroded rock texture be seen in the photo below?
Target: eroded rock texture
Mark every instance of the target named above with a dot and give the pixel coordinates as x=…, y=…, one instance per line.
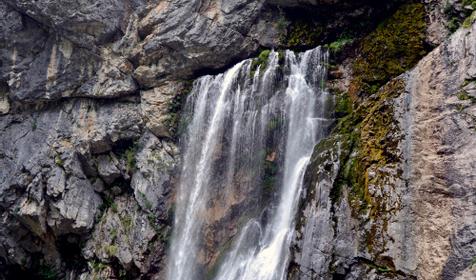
x=90, y=102
x=392, y=196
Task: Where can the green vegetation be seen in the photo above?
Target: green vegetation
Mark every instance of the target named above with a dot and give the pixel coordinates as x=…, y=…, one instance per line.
x=174, y=122
x=113, y=233
x=339, y=44
x=164, y=234
x=468, y=22
x=453, y=24
x=274, y=124
x=110, y=250
x=59, y=161
x=153, y=222
x=394, y=47
x=303, y=33
x=281, y=23
x=463, y=95
x=270, y=176
x=130, y=157
x=367, y=140
x=457, y=18
x=108, y=202
x=343, y=104
x=126, y=222
x=47, y=272
x=381, y=268
x=97, y=266
x=365, y=134
x=261, y=60
x=471, y=3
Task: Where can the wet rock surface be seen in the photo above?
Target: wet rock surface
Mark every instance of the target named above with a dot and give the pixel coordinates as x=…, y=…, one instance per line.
x=414, y=217
x=90, y=103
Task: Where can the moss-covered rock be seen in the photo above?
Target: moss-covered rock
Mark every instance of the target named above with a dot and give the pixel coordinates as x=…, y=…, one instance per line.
x=303, y=34
x=394, y=47
x=260, y=62
x=368, y=134
x=460, y=13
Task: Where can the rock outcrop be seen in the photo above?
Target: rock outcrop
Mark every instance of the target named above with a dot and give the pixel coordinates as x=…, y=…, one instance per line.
x=91, y=94
x=391, y=195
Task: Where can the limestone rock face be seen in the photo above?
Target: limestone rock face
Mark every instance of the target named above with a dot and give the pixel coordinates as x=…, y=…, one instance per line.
x=419, y=211
x=160, y=100
x=90, y=109
x=86, y=89
x=124, y=232
x=198, y=35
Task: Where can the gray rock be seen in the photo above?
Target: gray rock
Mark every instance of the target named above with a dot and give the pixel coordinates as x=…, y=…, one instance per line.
x=124, y=232
x=155, y=107
x=425, y=198
x=77, y=209
x=70, y=77
x=44, y=190
x=152, y=181
x=84, y=21
x=4, y=102
x=199, y=36
x=56, y=182
x=107, y=168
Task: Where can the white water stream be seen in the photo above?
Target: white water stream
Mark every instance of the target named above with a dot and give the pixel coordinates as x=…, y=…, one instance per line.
x=239, y=124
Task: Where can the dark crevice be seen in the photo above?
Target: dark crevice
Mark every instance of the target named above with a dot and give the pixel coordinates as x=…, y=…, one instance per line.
x=70, y=247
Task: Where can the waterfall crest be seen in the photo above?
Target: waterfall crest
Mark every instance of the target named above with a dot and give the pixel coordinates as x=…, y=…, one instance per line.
x=250, y=134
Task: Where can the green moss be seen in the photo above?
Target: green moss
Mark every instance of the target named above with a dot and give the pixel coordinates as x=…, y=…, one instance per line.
x=114, y=207
x=107, y=203
x=97, y=266
x=153, y=222
x=453, y=24
x=365, y=142
x=343, y=104
x=275, y=124
x=59, y=161
x=381, y=269
x=130, y=157
x=457, y=18
x=281, y=24
x=174, y=121
x=110, y=250
x=471, y=3
x=261, y=60
x=303, y=33
x=338, y=45
x=113, y=233
x=468, y=22
x=394, y=47
x=126, y=222
x=463, y=95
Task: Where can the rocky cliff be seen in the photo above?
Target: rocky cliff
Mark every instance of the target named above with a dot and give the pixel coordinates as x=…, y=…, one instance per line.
x=90, y=100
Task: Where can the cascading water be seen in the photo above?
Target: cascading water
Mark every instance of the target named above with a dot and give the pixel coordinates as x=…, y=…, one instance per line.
x=251, y=132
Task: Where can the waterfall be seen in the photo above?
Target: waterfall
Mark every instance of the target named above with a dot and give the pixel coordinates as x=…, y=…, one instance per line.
x=250, y=134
